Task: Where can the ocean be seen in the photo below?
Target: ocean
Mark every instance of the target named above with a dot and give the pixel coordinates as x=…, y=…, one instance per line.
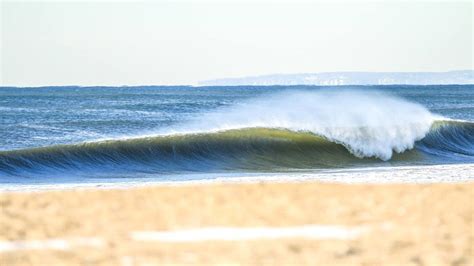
x=103, y=135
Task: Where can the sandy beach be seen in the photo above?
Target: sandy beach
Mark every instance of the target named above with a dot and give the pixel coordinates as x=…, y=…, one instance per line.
x=390, y=224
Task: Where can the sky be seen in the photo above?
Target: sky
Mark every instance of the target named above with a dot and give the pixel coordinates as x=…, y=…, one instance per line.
x=171, y=43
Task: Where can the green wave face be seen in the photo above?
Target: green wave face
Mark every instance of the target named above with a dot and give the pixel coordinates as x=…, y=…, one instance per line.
x=252, y=149
x=256, y=149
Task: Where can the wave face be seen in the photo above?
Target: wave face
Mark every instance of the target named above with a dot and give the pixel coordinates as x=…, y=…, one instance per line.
x=450, y=139
x=299, y=130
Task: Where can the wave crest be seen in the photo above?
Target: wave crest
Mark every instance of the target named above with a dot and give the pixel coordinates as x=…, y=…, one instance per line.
x=368, y=124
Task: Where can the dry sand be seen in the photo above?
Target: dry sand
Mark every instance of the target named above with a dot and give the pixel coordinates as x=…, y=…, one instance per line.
x=406, y=224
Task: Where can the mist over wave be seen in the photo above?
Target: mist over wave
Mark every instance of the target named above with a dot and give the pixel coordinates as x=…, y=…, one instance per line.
x=368, y=124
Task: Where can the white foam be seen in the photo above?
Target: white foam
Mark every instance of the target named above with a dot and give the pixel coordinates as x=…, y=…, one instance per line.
x=367, y=123
x=241, y=234
x=54, y=244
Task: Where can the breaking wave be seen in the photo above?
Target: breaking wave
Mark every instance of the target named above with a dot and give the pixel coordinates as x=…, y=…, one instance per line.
x=302, y=130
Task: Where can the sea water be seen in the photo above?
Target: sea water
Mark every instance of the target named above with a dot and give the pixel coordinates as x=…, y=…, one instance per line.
x=54, y=135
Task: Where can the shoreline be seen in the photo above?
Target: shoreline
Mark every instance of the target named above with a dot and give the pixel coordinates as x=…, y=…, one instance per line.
x=417, y=174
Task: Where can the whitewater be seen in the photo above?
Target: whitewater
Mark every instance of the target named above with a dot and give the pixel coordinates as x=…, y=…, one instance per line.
x=165, y=134
x=368, y=124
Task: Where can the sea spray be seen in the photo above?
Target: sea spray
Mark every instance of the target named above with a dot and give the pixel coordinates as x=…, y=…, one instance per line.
x=368, y=124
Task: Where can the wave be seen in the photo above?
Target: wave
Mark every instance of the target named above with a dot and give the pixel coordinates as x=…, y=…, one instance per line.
x=301, y=130
x=243, y=149
x=368, y=124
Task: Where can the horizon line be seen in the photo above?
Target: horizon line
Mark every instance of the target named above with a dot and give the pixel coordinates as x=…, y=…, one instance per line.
x=200, y=86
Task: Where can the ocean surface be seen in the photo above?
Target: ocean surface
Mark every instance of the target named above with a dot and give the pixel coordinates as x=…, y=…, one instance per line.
x=55, y=135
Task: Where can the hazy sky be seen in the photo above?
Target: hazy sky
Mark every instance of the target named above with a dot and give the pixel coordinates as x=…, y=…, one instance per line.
x=125, y=43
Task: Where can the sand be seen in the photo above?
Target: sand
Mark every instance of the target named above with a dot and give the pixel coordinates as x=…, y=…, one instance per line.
x=400, y=224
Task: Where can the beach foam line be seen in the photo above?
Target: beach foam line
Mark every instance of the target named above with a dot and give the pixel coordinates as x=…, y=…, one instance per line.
x=55, y=244
x=238, y=234
x=415, y=174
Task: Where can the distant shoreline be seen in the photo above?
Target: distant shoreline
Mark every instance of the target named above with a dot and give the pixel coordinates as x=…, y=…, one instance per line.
x=352, y=78
x=333, y=79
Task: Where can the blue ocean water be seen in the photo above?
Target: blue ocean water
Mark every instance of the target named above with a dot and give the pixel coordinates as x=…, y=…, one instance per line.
x=156, y=131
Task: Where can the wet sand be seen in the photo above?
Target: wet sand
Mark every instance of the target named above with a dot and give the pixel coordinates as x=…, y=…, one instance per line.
x=398, y=224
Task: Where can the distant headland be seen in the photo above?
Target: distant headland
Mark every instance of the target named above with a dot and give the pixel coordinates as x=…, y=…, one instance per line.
x=351, y=78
